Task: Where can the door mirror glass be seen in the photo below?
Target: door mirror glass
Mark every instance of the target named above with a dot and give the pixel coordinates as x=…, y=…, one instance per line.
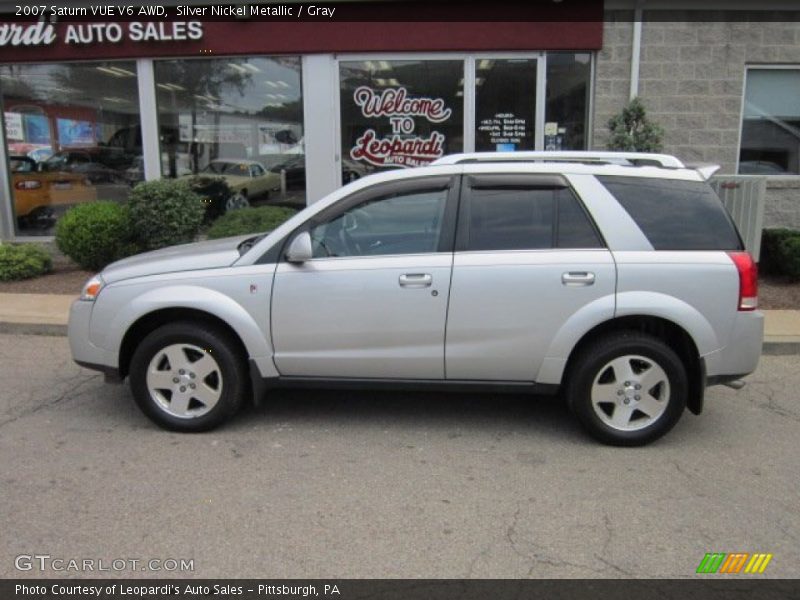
x=300, y=249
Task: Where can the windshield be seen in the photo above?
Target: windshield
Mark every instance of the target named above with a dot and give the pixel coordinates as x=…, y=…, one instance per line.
x=226, y=168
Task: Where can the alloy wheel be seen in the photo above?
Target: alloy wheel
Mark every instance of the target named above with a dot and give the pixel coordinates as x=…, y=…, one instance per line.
x=630, y=392
x=184, y=381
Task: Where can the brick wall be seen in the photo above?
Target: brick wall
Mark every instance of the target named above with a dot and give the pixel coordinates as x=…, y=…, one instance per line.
x=691, y=80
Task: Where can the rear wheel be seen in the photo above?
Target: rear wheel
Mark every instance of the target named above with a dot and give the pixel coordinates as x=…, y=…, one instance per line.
x=188, y=376
x=627, y=389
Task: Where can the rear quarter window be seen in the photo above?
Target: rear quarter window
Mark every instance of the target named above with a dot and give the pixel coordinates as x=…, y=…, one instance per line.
x=675, y=214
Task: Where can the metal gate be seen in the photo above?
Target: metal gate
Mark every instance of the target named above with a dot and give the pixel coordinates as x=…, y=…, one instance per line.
x=744, y=196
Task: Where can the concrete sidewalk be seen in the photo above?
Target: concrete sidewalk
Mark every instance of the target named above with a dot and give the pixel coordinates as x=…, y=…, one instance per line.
x=47, y=314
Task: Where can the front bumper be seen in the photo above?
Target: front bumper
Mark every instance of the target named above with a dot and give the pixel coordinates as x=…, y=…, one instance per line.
x=84, y=352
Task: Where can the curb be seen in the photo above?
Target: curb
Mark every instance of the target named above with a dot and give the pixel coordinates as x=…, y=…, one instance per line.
x=51, y=329
x=770, y=348
x=780, y=348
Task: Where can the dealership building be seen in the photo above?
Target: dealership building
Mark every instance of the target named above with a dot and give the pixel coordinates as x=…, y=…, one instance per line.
x=296, y=104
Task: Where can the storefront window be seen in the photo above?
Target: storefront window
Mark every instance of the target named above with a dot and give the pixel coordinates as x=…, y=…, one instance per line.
x=236, y=118
x=399, y=113
x=505, y=104
x=68, y=137
x=567, y=108
x=771, y=123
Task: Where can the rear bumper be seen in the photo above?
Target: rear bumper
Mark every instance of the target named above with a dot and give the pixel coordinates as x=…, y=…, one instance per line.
x=740, y=356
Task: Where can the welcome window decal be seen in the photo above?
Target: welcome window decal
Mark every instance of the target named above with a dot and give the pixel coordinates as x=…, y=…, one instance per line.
x=403, y=148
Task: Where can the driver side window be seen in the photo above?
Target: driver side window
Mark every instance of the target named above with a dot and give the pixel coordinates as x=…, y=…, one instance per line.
x=406, y=223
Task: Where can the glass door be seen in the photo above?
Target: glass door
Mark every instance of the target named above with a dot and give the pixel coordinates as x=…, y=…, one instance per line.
x=505, y=104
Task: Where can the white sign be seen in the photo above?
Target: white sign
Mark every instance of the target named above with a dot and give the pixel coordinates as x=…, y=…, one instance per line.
x=185, y=127
x=79, y=34
x=14, y=129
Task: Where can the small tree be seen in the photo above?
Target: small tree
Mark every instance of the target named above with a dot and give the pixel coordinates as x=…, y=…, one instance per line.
x=631, y=131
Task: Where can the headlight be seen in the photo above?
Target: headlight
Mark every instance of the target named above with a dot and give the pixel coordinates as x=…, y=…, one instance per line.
x=92, y=288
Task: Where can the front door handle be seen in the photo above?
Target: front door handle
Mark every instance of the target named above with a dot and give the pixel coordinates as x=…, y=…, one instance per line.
x=416, y=280
x=577, y=278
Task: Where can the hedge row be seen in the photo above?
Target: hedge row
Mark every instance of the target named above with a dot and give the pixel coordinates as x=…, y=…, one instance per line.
x=23, y=261
x=780, y=253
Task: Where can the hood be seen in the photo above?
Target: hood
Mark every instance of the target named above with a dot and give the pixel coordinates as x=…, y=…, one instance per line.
x=212, y=254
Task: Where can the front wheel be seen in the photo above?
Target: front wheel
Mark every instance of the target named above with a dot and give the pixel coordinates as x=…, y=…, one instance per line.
x=188, y=377
x=627, y=389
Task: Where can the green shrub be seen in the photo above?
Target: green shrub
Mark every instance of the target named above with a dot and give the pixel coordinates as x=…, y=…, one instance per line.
x=164, y=213
x=23, y=261
x=249, y=220
x=95, y=234
x=632, y=131
x=780, y=253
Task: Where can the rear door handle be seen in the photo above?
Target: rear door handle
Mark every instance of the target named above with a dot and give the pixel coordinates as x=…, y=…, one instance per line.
x=577, y=278
x=416, y=280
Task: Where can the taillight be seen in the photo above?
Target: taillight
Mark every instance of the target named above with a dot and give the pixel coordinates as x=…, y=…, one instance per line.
x=28, y=184
x=748, y=279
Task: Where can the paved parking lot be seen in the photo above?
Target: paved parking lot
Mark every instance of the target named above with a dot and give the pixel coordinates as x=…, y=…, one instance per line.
x=319, y=484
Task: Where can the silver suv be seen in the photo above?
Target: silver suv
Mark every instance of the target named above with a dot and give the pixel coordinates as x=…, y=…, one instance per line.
x=617, y=280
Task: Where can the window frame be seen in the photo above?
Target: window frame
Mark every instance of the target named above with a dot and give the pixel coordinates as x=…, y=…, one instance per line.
x=759, y=67
x=521, y=181
x=469, y=69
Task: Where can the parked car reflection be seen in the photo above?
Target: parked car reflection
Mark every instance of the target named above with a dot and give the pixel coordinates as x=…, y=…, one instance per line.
x=37, y=192
x=97, y=164
x=295, y=168
x=248, y=179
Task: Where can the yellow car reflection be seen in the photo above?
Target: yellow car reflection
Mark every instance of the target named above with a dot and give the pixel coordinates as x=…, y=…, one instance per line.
x=247, y=179
x=36, y=192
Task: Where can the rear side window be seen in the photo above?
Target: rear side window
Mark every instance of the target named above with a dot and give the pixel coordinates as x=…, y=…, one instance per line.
x=521, y=218
x=675, y=214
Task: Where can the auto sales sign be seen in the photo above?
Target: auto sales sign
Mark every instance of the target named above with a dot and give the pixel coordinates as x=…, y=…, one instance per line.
x=403, y=148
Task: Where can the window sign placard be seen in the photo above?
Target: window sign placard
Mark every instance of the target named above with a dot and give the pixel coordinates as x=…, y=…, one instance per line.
x=506, y=130
x=14, y=126
x=74, y=132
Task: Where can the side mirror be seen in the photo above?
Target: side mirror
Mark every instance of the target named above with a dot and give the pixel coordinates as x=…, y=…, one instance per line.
x=300, y=249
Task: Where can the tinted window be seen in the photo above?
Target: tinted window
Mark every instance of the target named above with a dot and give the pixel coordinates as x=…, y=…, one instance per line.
x=527, y=219
x=400, y=224
x=674, y=214
x=574, y=228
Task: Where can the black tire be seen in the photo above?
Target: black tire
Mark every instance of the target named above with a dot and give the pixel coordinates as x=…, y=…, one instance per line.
x=592, y=363
x=231, y=377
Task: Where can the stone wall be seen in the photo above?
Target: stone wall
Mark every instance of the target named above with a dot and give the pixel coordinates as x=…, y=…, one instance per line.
x=612, y=73
x=691, y=80
x=782, y=208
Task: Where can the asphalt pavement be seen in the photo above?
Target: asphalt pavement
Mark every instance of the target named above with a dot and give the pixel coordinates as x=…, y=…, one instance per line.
x=323, y=484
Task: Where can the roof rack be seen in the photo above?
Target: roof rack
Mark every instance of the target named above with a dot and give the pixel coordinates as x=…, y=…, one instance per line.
x=620, y=158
